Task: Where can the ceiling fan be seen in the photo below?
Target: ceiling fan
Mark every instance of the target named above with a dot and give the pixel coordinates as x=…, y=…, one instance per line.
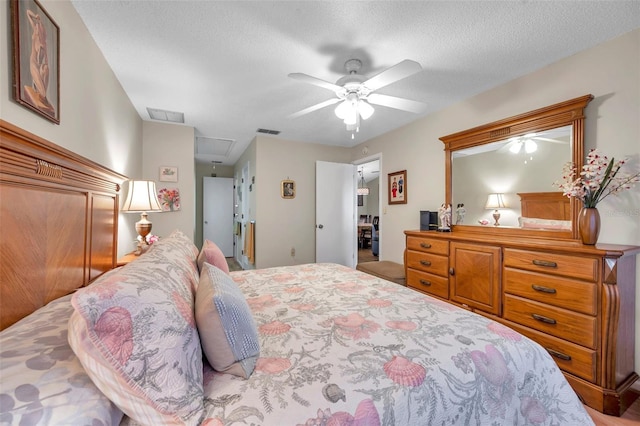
x=354, y=92
x=528, y=142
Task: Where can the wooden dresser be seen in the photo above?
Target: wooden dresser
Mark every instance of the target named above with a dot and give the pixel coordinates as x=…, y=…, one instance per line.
x=577, y=301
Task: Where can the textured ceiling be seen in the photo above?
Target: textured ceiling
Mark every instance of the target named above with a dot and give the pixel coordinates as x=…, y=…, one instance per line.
x=224, y=64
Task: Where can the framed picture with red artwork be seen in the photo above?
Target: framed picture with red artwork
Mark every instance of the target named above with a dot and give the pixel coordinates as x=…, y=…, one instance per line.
x=398, y=187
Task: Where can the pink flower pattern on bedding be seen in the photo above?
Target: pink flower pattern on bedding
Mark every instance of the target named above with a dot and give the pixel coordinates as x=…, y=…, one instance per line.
x=340, y=347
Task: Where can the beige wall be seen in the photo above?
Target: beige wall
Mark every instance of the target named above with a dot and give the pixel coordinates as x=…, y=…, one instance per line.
x=283, y=224
x=609, y=72
x=97, y=120
x=171, y=145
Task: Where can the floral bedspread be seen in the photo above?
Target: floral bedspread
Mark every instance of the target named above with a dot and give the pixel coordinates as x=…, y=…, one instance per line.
x=340, y=347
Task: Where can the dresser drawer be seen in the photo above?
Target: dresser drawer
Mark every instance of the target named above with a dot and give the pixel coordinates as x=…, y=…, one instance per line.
x=426, y=262
x=578, y=296
x=562, y=323
x=428, y=283
x=573, y=359
x=582, y=268
x=428, y=245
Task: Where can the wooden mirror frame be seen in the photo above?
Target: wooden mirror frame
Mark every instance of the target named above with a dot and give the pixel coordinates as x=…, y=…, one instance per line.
x=570, y=112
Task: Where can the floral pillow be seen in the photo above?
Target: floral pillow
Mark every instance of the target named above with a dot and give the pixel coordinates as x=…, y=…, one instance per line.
x=227, y=329
x=212, y=254
x=42, y=381
x=134, y=332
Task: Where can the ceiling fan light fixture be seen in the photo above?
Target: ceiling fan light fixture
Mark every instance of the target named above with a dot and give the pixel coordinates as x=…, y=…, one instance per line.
x=365, y=109
x=515, y=148
x=342, y=110
x=351, y=118
x=530, y=146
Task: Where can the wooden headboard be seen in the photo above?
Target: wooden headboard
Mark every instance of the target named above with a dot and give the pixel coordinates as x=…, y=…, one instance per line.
x=545, y=205
x=58, y=222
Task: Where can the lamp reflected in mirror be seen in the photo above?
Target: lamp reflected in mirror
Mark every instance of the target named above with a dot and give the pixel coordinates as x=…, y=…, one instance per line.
x=495, y=202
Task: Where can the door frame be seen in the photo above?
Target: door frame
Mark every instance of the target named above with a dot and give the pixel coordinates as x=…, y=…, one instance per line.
x=365, y=160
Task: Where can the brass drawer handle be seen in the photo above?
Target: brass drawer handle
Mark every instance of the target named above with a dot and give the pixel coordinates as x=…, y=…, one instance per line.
x=545, y=263
x=560, y=355
x=425, y=263
x=543, y=289
x=544, y=319
x=425, y=245
x=425, y=282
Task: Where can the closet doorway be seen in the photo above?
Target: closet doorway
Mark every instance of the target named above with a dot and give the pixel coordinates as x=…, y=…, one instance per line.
x=217, y=212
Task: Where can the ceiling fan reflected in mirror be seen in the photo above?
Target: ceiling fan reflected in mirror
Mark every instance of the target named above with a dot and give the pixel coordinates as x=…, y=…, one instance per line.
x=528, y=143
x=355, y=94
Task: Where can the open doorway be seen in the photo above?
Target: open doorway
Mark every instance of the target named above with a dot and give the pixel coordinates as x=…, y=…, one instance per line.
x=368, y=210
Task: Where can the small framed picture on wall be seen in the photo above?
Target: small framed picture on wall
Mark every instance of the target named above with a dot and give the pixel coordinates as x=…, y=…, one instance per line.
x=398, y=187
x=168, y=174
x=288, y=189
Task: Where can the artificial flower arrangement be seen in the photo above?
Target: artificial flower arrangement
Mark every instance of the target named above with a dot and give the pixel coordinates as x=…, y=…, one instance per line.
x=142, y=247
x=599, y=178
x=150, y=238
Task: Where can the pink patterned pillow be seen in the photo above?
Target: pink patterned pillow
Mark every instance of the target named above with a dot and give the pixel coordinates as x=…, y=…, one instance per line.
x=134, y=332
x=212, y=254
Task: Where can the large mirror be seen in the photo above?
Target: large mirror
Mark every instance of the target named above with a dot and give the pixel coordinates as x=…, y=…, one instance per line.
x=499, y=177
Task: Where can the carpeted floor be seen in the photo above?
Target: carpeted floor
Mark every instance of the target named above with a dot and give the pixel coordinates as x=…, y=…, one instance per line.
x=365, y=255
x=233, y=264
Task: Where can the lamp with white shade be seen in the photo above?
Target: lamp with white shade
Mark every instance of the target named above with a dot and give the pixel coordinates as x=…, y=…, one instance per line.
x=142, y=198
x=495, y=202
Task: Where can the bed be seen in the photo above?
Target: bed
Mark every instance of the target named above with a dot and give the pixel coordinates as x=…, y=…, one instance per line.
x=545, y=210
x=174, y=338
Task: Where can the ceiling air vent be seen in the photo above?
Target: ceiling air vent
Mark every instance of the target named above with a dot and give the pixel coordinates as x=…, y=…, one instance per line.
x=214, y=146
x=163, y=115
x=268, y=132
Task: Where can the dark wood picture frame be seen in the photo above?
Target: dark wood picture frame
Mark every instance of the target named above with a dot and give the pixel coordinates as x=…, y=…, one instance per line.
x=397, y=188
x=36, y=59
x=288, y=189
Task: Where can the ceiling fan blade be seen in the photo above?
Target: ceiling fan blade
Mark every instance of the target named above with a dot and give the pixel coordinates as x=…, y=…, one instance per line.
x=549, y=140
x=391, y=75
x=315, y=107
x=316, y=81
x=397, y=103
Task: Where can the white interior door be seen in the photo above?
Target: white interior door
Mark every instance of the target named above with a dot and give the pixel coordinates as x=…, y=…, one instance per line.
x=335, y=213
x=217, y=212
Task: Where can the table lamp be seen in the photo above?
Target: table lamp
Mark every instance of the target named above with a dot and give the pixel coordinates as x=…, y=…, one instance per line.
x=142, y=198
x=495, y=201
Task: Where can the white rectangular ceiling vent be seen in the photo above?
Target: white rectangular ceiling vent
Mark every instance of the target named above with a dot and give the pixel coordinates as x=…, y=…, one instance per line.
x=268, y=131
x=164, y=115
x=214, y=146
